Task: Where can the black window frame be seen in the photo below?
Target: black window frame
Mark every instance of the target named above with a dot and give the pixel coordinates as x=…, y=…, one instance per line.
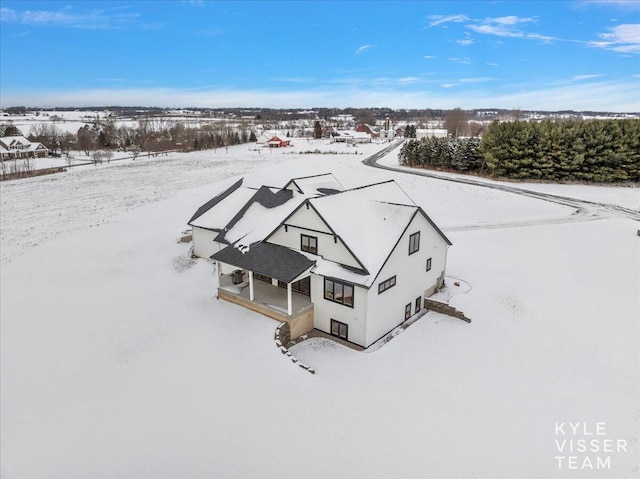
x=262, y=277
x=414, y=242
x=418, y=303
x=339, y=324
x=302, y=286
x=342, y=286
x=386, y=284
x=407, y=311
x=429, y=264
x=308, y=247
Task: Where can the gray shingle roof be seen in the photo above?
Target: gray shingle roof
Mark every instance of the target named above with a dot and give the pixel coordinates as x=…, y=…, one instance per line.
x=269, y=259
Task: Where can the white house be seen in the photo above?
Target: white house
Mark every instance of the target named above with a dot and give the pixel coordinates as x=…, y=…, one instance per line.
x=352, y=263
x=12, y=147
x=431, y=132
x=350, y=136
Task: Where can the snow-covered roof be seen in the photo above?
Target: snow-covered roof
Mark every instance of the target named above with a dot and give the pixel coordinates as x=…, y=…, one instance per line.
x=36, y=146
x=316, y=185
x=264, y=211
x=218, y=212
x=8, y=141
x=369, y=220
x=352, y=134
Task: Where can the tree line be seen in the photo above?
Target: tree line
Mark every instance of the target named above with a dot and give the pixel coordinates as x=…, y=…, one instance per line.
x=149, y=134
x=592, y=151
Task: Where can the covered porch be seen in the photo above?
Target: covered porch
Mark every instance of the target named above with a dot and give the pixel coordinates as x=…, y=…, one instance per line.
x=273, y=297
x=268, y=279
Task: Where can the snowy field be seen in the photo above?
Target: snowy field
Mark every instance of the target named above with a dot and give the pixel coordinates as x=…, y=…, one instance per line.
x=118, y=361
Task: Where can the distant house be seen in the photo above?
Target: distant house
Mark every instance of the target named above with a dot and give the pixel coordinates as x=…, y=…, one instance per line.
x=431, y=132
x=14, y=147
x=352, y=263
x=368, y=129
x=278, y=142
x=350, y=136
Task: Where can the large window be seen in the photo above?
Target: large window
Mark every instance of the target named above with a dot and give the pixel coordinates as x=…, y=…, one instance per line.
x=385, y=285
x=309, y=244
x=418, y=303
x=339, y=329
x=302, y=286
x=414, y=242
x=338, y=292
x=407, y=311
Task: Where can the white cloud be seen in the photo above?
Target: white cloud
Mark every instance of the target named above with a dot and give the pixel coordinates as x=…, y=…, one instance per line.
x=95, y=19
x=363, y=48
x=465, y=42
x=509, y=20
x=465, y=81
x=405, y=80
x=624, y=4
x=440, y=19
x=462, y=61
x=8, y=15
x=587, y=77
x=429, y=57
x=509, y=27
x=623, y=38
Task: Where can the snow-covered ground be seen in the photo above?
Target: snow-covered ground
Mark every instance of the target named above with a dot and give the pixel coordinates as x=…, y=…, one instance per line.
x=118, y=361
x=628, y=197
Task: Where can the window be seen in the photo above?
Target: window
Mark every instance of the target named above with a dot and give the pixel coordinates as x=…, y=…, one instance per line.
x=302, y=286
x=309, y=244
x=407, y=311
x=429, y=264
x=339, y=329
x=338, y=292
x=418, y=303
x=262, y=277
x=414, y=242
x=385, y=285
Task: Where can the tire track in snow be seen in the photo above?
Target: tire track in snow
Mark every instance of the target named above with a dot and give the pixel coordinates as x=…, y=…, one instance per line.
x=585, y=210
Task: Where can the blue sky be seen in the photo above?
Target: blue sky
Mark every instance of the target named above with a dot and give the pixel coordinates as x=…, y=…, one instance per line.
x=542, y=55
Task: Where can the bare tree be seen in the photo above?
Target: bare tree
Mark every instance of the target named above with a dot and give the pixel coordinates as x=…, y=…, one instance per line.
x=47, y=134
x=457, y=122
x=87, y=139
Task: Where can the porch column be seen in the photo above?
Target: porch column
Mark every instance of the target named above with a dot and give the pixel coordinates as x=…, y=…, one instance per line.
x=289, y=300
x=250, y=285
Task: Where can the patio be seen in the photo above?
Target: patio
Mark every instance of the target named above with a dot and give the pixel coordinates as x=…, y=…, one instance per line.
x=271, y=301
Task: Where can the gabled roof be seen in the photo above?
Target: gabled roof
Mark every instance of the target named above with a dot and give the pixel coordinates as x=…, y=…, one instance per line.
x=370, y=221
x=216, y=213
x=369, y=228
x=272, y=260
x=323, y=184
x=259, y=216
x=14, y=140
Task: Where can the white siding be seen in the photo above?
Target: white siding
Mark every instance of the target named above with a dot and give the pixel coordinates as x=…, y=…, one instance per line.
x=203, y=244
x=306, y=221
x=325, y=311
x=386, y=310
